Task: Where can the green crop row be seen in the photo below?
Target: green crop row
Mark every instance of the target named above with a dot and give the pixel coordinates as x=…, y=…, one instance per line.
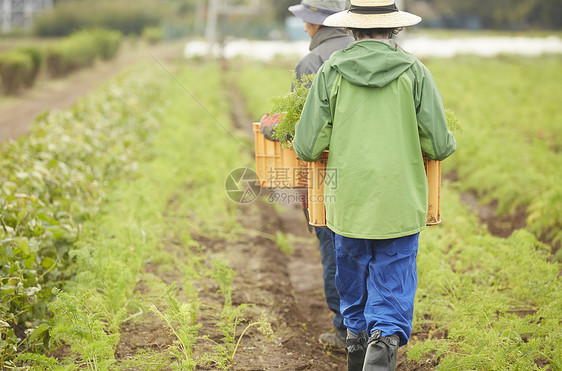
x=19, y=68
x=510, y=152
x=483, y=302
x=51, y=183
x=260, y=84
x=82, y=49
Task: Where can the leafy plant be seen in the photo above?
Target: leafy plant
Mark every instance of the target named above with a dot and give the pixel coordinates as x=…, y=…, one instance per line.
x=128, y=17
x=153, y=34
x=284, y=243
x=230, y=318
x=83, y=330
x=149, y=360
x=41, y=362
x=263, y=325
x=453, y=123
x=291, y=106
x=37, y=55
x=181, y=320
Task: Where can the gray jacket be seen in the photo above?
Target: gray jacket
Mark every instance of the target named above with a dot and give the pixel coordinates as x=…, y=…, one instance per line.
x=326, y=41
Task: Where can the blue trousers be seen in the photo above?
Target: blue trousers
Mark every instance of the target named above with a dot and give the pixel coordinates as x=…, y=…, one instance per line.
x=329, y=274
x=377, y=281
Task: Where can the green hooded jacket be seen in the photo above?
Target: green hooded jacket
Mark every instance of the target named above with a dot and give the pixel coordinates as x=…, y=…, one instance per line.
x=377, y=108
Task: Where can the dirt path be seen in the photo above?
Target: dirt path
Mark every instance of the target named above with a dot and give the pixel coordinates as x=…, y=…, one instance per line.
x=17, y=114
x=295, y=283
x=287, y=289
x=304, y=265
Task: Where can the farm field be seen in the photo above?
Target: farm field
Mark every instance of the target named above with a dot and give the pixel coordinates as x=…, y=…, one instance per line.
x=17, y=113
x=125, y=251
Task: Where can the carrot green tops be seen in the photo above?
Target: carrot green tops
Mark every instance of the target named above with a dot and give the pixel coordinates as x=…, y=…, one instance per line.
x=377, y=108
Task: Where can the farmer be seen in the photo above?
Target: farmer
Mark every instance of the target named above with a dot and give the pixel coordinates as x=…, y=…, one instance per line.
x=324, y=41
x=377, y=108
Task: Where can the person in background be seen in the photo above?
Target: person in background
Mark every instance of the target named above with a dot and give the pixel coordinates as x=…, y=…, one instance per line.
x=324, y=42
x=377, y=108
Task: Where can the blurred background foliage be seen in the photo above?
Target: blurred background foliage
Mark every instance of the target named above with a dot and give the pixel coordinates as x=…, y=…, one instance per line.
x=497, y=14
x=127, y=16
x=266, y=19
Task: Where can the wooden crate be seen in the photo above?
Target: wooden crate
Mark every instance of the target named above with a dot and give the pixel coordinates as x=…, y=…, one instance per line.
x=317, y=208
x=433, y=174
x=277, y=167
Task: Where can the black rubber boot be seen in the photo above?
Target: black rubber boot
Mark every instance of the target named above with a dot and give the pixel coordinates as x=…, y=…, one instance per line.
x=356, y=345
x=381, y=352
x=336, y=339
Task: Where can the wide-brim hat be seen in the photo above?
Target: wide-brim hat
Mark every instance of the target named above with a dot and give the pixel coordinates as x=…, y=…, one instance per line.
x=372, y=14
x=316, y=11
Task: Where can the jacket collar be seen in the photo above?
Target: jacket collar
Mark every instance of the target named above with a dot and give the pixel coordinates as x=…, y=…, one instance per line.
x=325, y=33
x=389, y=42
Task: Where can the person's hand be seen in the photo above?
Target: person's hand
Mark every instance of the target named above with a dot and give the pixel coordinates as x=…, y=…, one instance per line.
x=267, y=124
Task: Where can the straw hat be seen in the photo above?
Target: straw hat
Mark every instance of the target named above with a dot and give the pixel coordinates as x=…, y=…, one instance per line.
x=316, y=11
x=372, y=14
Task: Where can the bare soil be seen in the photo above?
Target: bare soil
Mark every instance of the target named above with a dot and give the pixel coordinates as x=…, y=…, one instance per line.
x=502, y=226
x=498, y=226
x=287, y=288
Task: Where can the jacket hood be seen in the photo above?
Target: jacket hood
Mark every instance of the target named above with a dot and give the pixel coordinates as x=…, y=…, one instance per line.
x=371, y=62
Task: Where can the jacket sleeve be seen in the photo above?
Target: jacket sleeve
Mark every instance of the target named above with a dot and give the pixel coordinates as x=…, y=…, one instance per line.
x=437, y=141
x=314, y=129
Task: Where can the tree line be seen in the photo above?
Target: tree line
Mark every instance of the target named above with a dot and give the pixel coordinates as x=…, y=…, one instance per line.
x=496, y=14
x=504, y=14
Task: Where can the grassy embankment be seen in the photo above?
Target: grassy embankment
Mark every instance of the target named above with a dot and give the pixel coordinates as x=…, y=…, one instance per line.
x=483, y=302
